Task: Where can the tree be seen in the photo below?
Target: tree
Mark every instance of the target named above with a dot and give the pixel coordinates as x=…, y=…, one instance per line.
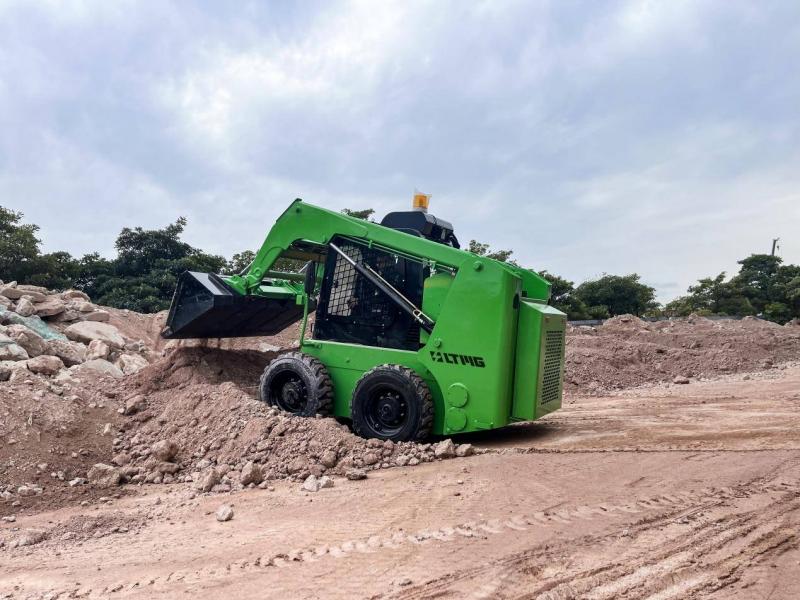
x=239, y=262
x=145, y=273
x=618, y=294
x=483, y=250
x=19, y=246
x=562, y=297
x=711, y=296
x=363, y=214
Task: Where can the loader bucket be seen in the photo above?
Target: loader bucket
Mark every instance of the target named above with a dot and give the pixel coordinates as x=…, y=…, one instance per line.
x=204, y=306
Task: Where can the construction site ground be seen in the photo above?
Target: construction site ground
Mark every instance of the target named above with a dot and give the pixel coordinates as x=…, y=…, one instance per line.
x=660, y=491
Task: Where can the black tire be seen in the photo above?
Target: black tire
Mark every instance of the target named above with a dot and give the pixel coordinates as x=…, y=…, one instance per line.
x=392, y=402
x=298, y=384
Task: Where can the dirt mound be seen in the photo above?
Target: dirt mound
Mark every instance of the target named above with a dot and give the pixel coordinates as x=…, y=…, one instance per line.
x=196, y=418
x=626, y=351
x=50, y=435
x=193, y=365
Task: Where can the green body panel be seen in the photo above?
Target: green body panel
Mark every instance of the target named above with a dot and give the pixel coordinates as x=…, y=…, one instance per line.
x=481, y=372
x=535, y=322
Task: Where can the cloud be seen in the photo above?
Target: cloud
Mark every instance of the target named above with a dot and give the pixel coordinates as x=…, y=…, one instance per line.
x=657, y=137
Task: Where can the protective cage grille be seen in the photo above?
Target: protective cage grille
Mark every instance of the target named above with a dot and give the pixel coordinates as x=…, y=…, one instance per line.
x=352, y=309
x=551, y=367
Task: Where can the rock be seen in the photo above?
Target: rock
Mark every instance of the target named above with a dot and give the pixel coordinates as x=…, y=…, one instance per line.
x=464, y=450
x=444, y=449
x=370, y=458
x=311, y=484
x=355, y=474
x=32, y=342
x=121, y=459
x=67, y=316
x=10, y=350
x=325, y=482
x=98, y=349
x=102, y=475
x=681, y=380
x=6, y=367
x=24, y=307
x=164, y=450
x=86, y=331
x=208, y=480
x=29, y=537
x=45, y=365
x=6, y=302
x=251, y=473
x=10, y=290
x=131, y=363
x=135, y=404
x=50, y=307
x=224, y=513
x=101, y=366
x=100, y=316
x=36, y=292
x=328, y=459
x=75, y=294
x=72, y=353
x=84, y=306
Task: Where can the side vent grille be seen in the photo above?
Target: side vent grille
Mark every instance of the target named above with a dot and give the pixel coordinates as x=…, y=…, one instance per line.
x=551, y=376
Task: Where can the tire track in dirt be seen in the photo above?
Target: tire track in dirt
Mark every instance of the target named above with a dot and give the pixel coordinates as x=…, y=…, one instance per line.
x=685, y=564
x=652, y=511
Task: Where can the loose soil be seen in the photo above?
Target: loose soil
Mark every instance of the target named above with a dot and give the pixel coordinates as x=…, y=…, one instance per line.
x=638, y=487
x=551, y=510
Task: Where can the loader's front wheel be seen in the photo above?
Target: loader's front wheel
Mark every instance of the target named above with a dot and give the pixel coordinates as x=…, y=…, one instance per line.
x=392, y=402
x=298, y=384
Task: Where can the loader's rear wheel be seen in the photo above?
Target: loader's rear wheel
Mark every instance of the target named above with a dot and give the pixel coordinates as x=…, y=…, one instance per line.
x=298, y=384
x=391, y=402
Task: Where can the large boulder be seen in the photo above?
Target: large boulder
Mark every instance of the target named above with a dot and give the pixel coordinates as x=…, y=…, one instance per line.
x=102, y=475
x=75, y=294
x=67, y=316
x=24, y=307
x=164, y=450
x=100, y=316
x=72, y=353
x=45, y=365
x=98, y=365
x=131, y=363
x=32, y=342
x=83, y=306
x=251, y=473
x=9, y=369
x=50, y=307
x=87, y=331
x=5, y=302
x=9, y=290
x=98, y=349
x=10, y=350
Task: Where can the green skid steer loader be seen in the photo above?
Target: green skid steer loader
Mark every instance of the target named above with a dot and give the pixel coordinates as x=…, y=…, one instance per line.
x=412, y=335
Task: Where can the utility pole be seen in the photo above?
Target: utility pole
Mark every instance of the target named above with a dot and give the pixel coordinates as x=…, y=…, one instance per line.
x=775, y=245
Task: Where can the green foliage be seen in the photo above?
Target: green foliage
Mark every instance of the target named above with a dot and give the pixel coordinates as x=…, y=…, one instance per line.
x=562, y=297
x=19, y=246
x=483, y=250
x=144, y=274
x=364, y=214
x=239, y=262
x=763, y=286
x=618, y=295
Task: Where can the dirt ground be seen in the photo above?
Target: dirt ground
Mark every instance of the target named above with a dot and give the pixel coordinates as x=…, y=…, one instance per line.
x=667, y=491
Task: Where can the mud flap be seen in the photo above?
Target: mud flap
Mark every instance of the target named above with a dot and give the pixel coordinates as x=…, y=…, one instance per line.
x=204, y=306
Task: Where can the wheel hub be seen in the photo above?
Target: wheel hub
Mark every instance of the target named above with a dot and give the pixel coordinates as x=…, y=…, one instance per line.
x=388, y=411
x=289, y=392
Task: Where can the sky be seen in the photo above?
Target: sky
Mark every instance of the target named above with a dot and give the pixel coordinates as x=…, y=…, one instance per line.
x=661, y=138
